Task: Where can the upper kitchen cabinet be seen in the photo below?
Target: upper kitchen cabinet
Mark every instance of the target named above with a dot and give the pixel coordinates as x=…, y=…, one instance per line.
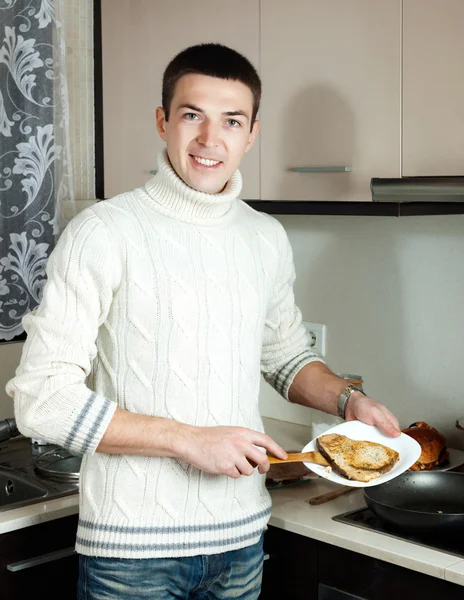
x=331, y=74
x=433, y=87
x=139, y=38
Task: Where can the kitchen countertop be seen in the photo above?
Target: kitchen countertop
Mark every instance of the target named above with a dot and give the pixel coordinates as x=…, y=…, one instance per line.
x=292, y=512
x=62, y=500
x=34, y=514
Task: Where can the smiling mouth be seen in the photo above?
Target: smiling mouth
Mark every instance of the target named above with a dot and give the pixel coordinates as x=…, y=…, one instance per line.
x=206, y=162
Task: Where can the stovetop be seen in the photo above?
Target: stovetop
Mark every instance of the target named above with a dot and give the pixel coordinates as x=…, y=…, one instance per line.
x=19, y=454
x=366, y=519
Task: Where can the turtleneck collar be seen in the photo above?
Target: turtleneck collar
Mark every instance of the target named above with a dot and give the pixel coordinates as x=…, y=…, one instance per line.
x=176, y=199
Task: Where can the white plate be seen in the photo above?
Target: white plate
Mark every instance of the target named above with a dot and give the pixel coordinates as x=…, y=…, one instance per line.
x=409, y=451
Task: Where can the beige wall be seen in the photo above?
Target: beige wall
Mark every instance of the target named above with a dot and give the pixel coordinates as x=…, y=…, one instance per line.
x=9, y=359
x=390, y=292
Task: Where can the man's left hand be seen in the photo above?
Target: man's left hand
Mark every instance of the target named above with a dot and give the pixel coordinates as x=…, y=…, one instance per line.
x=369, y=411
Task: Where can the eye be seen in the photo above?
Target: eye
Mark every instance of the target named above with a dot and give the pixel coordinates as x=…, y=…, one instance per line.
x=233, y=123
x=191, y=116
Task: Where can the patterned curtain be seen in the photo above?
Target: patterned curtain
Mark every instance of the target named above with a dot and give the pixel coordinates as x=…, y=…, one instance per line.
x=36, y=193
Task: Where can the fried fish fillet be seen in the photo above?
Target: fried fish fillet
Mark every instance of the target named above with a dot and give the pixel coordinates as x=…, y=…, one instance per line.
x=356, y=460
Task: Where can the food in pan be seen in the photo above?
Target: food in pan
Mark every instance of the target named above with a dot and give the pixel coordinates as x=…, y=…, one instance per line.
x=433, y=444
x=356, y=460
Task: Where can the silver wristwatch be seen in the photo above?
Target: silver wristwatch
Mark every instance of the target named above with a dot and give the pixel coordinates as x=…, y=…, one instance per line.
x=343, y=399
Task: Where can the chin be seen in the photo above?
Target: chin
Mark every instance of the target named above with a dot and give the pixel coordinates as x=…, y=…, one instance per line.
x=207, y=187
x=211, y=190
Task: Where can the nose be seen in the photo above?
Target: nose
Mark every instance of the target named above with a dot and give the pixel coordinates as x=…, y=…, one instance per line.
x=209, y=135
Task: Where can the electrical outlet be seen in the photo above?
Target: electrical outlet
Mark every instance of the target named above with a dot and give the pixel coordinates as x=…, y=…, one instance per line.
x=317, y=337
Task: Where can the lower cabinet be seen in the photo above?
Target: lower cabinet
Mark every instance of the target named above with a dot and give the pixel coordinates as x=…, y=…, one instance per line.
x=290, y=571
x=368, y=578
x=299, y=567
x=38, y=562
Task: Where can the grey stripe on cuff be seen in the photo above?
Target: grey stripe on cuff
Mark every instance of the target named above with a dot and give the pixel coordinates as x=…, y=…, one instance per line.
x=70, y=442
x=93, y=430
x=79, y=421
x=280, y=378
x=293, y=370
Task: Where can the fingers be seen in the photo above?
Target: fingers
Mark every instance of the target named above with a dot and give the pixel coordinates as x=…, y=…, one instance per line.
x=373, y=413
x=234, y=473
x=259, y=459
x=244, y=466
x=386, y=421
x=255, y=456
x=392, y=426
x=261, y=439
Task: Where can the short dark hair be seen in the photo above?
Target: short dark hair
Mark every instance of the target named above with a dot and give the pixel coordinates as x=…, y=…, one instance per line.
x=214, y=60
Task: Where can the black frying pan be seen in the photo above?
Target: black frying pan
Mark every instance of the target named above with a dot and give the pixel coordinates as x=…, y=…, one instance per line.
x=420, y=501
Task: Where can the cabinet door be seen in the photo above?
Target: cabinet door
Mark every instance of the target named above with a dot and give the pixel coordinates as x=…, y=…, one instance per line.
x=331, y=97
x=290, y=570
x=139, y=38
x=433, y=87
x=38, y=562
x=372, y=579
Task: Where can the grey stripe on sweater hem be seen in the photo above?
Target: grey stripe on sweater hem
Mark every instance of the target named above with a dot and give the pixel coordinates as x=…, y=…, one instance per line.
x=70, y=440
x=181, y=529
x=98, y=545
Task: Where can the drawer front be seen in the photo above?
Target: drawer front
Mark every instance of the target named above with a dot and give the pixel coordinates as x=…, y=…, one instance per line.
x=41, y=556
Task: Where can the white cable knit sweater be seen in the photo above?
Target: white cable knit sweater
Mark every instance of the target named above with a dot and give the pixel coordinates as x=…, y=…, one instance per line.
x=169, y=302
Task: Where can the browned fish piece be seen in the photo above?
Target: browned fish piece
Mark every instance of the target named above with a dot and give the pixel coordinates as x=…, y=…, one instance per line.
x=356, y=460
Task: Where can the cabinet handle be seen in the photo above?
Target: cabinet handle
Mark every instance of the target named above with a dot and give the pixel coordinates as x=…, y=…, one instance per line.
x=153, y=172
x=321, y=169
x=40, y=560
x=266, y=556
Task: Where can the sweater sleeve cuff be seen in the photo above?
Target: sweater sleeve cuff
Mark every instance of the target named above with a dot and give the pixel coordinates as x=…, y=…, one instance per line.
x=90, y=424
x=282, y=379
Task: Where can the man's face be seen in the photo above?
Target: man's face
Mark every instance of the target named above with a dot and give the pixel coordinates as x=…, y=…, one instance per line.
x=208, y=131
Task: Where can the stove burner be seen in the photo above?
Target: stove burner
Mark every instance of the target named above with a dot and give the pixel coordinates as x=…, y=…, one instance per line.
x=58, y=464
x=366, y=519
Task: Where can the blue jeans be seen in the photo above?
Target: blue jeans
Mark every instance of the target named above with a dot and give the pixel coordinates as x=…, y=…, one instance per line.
x=234, y=574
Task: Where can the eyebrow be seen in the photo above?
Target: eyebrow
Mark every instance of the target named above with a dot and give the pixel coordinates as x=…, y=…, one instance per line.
x=229, y=113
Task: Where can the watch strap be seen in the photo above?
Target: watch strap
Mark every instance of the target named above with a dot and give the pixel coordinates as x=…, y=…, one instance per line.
x=344, y=398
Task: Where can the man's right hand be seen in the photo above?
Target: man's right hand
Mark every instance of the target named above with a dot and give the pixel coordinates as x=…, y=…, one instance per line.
x=231, y=451
x=228, y=451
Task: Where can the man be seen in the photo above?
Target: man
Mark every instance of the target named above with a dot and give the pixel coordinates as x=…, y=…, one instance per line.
x=170, y=299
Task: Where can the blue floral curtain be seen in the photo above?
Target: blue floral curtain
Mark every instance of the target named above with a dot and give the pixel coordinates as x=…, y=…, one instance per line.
x=35, y=167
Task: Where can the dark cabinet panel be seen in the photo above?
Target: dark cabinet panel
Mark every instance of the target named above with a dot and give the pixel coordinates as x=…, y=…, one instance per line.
x=290, y=572
x=373, y=579
x=38, y=562
x=301, y=568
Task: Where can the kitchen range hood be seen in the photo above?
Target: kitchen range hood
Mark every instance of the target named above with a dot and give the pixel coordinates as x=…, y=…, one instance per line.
x=418, y=189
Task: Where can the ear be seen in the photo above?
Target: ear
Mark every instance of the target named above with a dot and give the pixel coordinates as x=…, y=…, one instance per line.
x=253, y=134
x=161, y=122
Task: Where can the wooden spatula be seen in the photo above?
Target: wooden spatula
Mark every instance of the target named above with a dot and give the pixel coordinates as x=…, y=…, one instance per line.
x=311, y=457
